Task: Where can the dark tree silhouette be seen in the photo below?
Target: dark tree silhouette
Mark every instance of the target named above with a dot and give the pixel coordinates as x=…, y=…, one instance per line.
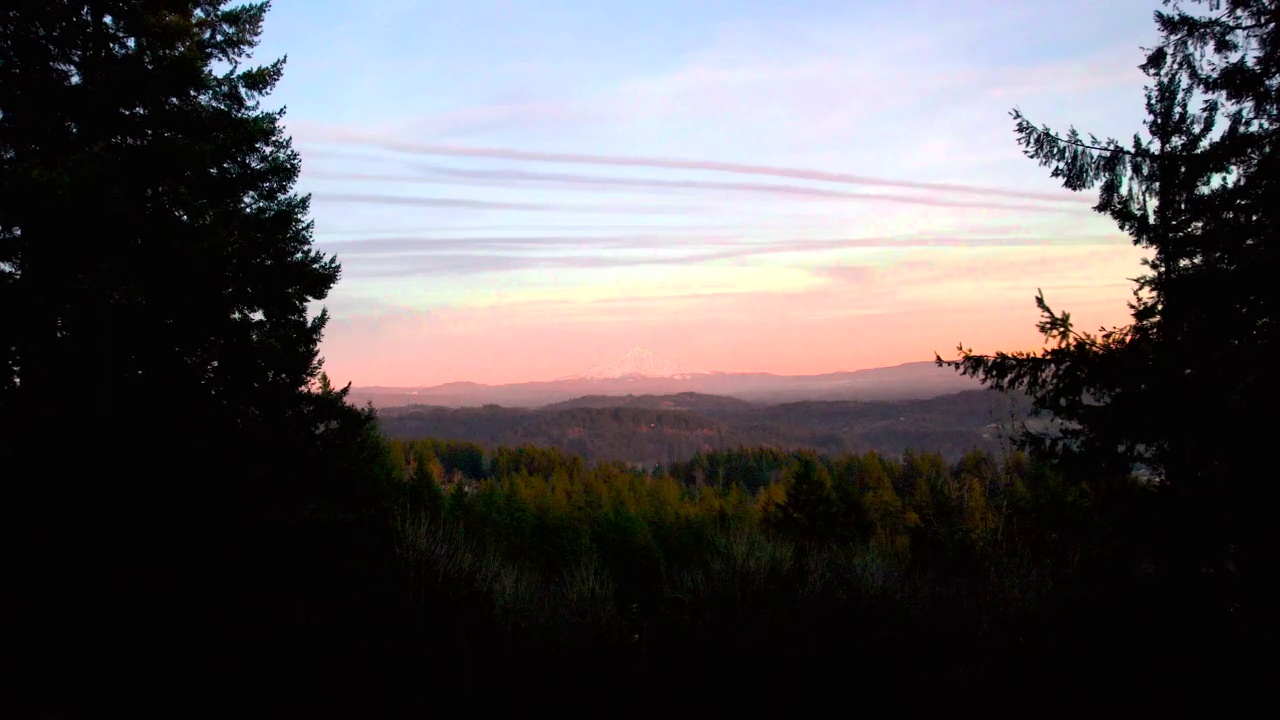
x=156, y=269
x=149, y=228
x=1181, y=388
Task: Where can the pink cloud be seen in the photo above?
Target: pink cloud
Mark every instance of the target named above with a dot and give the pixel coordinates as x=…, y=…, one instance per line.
x=511, y=177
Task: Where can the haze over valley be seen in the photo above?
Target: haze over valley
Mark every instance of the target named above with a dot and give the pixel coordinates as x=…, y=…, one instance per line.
x=641, y=372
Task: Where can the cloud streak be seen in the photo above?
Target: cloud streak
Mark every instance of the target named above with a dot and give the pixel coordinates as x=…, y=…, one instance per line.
x=404, y=147
x=424, y=245
x=864, y=316
x=438, y=202
x=400, y=257
x=509, y=177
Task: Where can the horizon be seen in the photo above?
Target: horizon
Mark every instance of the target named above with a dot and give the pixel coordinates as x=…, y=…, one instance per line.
x=520, y=192
x=585, y=373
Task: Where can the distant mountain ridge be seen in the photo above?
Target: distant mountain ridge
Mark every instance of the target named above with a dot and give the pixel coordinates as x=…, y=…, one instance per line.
x=909, y=381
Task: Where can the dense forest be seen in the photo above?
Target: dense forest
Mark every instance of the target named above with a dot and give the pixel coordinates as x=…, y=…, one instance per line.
x=196, y=515
x=658, y=429
x=1002, y=569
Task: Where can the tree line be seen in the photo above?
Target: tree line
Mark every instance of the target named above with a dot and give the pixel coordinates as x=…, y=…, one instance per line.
x=788, y=554
x=644, y=433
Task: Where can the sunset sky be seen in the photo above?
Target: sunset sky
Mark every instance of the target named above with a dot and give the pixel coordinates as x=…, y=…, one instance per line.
x=521, y=190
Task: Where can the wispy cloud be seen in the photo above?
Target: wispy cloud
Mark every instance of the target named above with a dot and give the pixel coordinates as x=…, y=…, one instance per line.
x=857, y=197
x=498, y=116
x=507, y=178
x=403, y=146
x=864, y=315
x=655, y=229
x=397, y=257
x=438, y=202
x=427, y=245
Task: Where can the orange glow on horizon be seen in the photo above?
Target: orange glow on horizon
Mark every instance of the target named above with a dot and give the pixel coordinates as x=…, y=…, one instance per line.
x=513, y=344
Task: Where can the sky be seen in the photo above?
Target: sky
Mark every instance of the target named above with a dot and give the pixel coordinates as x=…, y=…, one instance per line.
x=519, y=191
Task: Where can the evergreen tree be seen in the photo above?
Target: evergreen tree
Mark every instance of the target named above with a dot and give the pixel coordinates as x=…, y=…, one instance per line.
x=1175, y=389
x=163, y=264
x=810, y=511
x=148, y=224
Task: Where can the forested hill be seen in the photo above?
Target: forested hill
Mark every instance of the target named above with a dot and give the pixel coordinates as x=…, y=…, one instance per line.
x=696, y=402
x=666, y=428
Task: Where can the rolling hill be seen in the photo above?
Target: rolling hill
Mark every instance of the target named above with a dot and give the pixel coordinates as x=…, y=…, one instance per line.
x=648, y=429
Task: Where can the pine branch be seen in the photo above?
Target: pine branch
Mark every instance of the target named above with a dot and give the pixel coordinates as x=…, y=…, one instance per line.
x=1002, y=357
x=1078, y=144
x=1116, y=149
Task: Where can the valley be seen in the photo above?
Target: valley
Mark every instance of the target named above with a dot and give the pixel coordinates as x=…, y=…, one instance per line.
x=645, y=430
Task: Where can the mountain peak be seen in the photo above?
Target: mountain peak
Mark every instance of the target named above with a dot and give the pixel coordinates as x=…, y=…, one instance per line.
x=639, y=362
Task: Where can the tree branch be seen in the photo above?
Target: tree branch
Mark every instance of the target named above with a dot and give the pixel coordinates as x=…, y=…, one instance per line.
x=970, y=356
x=1086, y=146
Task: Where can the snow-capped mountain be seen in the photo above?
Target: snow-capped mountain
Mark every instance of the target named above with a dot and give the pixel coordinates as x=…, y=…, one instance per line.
x=639, y=362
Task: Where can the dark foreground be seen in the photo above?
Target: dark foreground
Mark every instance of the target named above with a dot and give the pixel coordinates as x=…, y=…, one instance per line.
x=740, y=572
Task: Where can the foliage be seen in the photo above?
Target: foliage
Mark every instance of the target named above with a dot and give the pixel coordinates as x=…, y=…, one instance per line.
x=915, y=559
x=1172, y=390
x=163, y=264
x=148, y=224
